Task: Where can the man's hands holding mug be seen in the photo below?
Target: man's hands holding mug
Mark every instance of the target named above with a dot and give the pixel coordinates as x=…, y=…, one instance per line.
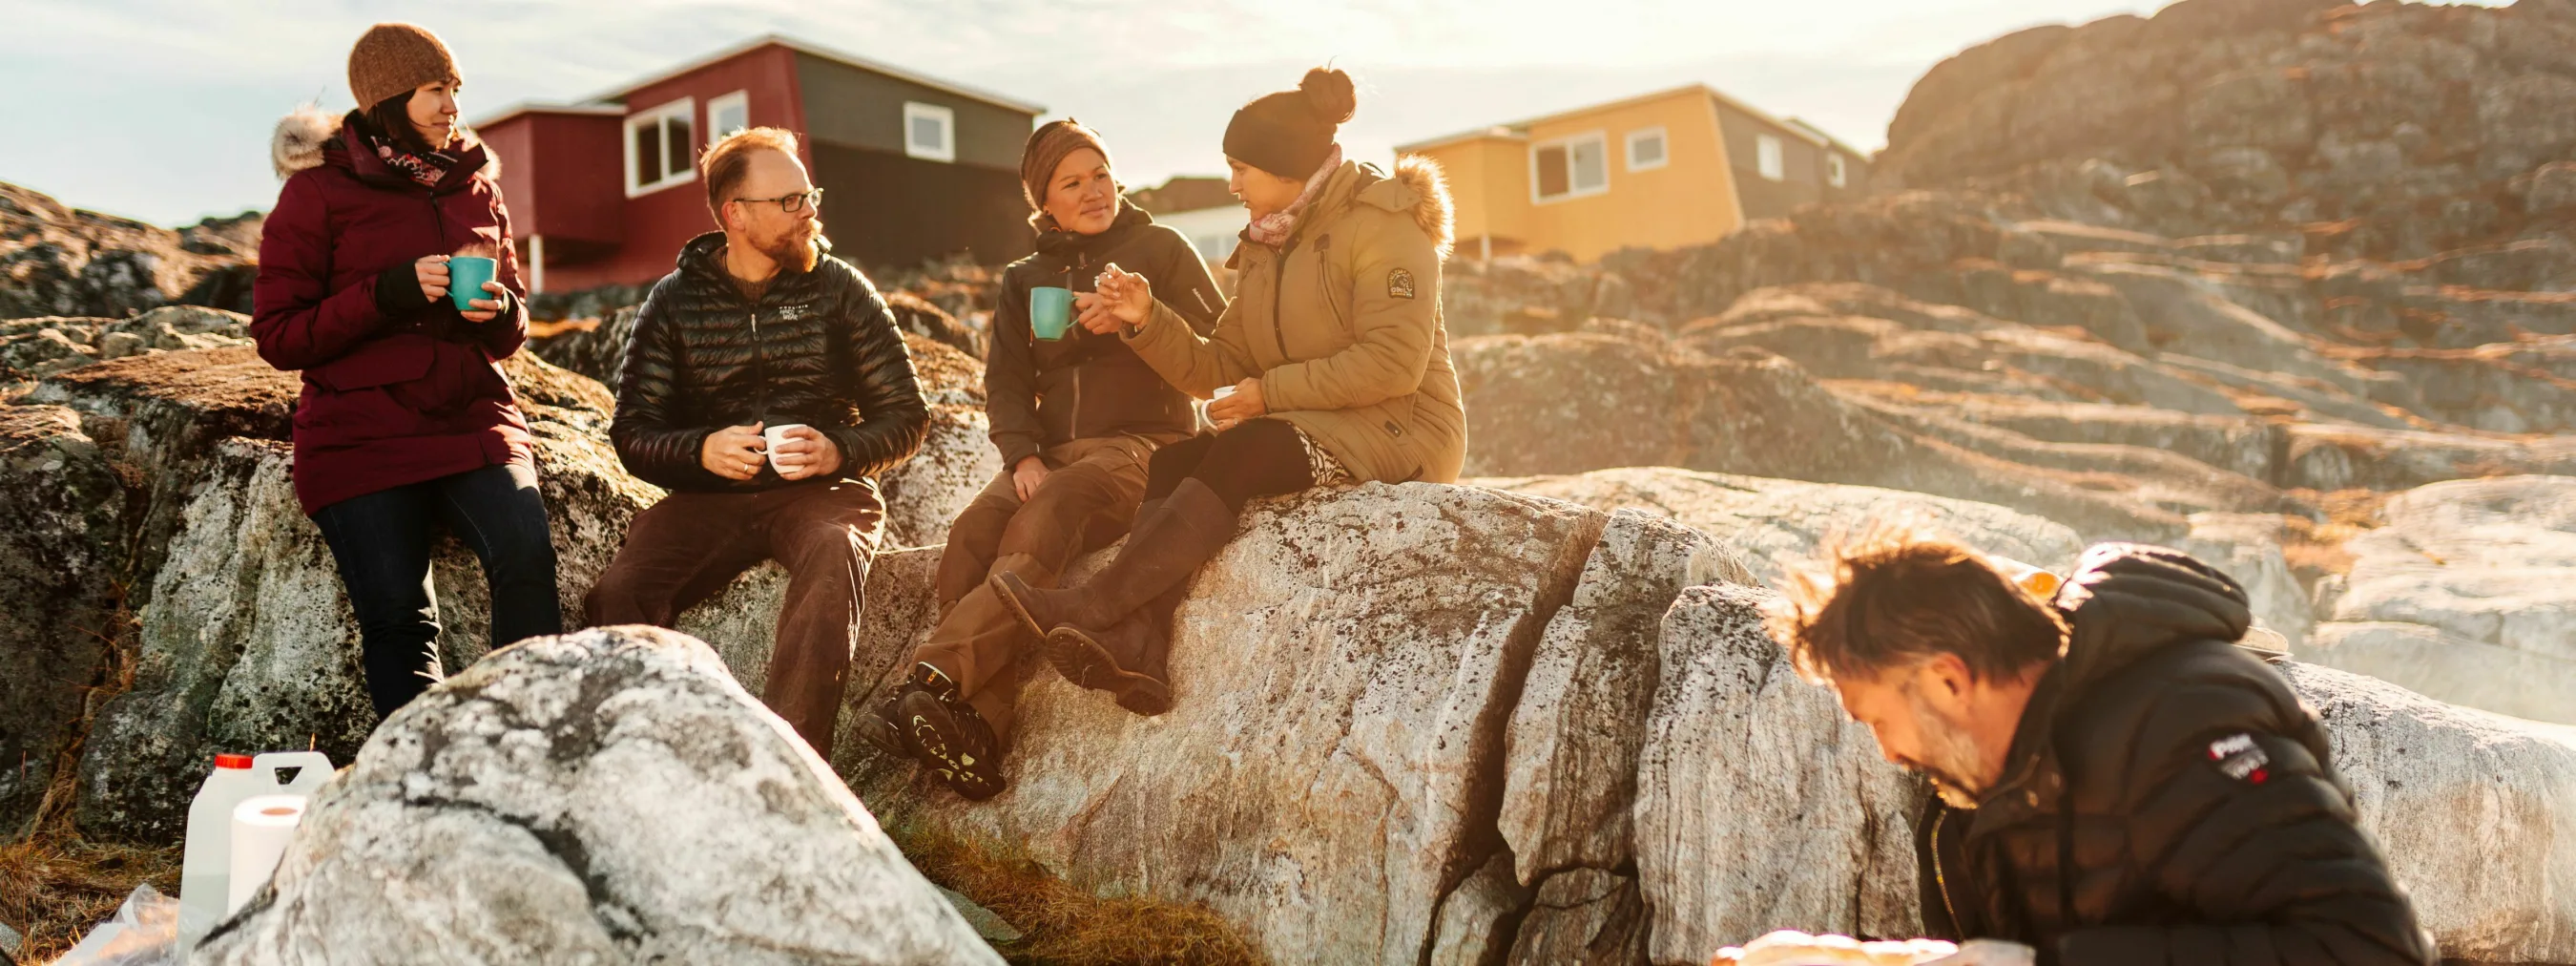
x=432, y=273
x=736, y=452
x=1122, y=298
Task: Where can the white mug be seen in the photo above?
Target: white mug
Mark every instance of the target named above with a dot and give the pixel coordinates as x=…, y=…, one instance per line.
x=774, y=435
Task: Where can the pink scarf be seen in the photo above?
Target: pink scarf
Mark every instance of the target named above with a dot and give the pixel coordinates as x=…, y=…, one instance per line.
x=426, y=170
x=1274, y=228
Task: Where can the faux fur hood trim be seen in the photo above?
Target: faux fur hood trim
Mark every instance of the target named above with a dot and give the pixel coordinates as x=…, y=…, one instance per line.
x=304, y=132
x=1434, y=211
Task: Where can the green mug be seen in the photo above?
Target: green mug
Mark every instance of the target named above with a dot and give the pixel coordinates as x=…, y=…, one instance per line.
x=1050, y=312
x=465, y=277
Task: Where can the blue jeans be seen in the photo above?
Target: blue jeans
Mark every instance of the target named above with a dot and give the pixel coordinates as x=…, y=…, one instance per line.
x=381, y=542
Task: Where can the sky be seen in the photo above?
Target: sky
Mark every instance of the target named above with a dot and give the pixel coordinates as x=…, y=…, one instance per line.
x=161, y=109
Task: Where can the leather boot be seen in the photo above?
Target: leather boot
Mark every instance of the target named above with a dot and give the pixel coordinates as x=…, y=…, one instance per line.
x=1164, y=549
x=944, y=734
x=1131, y=659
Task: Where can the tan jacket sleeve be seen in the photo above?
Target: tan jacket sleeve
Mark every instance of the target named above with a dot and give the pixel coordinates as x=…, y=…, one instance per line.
x=1191, y=363
x=1395, y=299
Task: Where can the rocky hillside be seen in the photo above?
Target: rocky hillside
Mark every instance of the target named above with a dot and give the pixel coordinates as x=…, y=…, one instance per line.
x=58, y=260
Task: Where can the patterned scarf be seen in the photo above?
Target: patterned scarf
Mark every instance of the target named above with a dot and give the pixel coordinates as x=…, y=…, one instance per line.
x=1274, y=228
x=428, y=169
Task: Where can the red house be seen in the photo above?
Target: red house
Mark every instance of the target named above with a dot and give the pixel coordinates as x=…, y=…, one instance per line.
x=604, y=192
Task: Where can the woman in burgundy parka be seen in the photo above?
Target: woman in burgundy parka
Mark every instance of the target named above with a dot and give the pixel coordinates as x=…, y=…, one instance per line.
x=405, y=422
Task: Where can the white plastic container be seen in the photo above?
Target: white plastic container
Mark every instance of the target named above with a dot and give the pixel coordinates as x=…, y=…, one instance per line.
x=205, y=871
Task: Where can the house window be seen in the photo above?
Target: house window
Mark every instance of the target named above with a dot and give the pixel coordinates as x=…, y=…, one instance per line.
x=726, y=115
x=1646, y=149
x=659, y=147
x=929, y=131
x=1766, y=152
x=1570, y=168
x=1834, y=173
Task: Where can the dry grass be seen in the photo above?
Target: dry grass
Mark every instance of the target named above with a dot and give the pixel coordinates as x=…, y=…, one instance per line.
x=55, y=884
x=1063, y=925
x=2315, y=550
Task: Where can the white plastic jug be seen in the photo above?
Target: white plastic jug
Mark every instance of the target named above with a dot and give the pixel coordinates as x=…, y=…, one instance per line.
x=205, y=872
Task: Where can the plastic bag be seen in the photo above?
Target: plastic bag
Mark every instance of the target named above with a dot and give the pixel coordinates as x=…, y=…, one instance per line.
x=144, y=932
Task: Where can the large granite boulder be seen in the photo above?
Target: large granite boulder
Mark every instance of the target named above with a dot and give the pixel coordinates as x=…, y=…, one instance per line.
x=1333, y=766
x=62, y=549
x=1568, y=402
x=606, y=796
x=2465, y=594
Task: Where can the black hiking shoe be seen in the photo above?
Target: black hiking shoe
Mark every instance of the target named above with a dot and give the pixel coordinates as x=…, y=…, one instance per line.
x=946, y=736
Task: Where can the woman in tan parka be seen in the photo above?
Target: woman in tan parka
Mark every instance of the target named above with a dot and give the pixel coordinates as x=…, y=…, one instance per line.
x=1333, y=348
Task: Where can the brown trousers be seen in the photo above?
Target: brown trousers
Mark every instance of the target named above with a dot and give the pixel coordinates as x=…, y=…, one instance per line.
x=689, y=546
x=1086, y=503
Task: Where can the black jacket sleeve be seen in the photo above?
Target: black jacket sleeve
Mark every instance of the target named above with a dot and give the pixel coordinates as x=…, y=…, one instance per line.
x=2261, y=846
x=1011, y=379
x=893, y=419
x=649, y=442
x=1185, y=284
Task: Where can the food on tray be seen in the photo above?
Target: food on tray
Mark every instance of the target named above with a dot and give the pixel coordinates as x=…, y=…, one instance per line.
x=1789, y=947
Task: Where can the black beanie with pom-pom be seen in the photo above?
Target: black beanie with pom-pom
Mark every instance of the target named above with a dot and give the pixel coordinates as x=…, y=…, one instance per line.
x=1290, y=133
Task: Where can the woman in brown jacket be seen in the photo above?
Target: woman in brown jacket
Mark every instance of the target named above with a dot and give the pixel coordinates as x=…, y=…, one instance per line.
x=1076, y=415
x=1333, y=348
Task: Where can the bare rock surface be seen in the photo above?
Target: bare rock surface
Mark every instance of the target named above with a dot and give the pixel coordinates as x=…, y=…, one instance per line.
x=2467, y=594
x=1778, y=525
x=61, y=550
x=607, y=796
x=60, y=260
x=1333, y=764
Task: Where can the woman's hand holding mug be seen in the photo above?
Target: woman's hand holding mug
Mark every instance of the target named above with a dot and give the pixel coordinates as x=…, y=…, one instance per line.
x=1122, y=298
x=432, y=273
x=1243, y=403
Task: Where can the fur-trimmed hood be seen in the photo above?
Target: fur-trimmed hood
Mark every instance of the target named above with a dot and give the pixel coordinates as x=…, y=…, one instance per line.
x=304, y=133
x=1433, y=211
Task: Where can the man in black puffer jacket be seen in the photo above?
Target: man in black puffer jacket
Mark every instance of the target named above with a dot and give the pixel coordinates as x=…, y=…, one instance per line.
x=2118, y=783
x=760, y=329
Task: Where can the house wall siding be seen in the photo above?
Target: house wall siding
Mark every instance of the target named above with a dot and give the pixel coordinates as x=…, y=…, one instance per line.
x=1685, y=202
x=854, y=108
x=884, y=210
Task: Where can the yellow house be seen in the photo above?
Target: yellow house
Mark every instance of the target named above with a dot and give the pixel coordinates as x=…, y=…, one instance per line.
x=1678, y=167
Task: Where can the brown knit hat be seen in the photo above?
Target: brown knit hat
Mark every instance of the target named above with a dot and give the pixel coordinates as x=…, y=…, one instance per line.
x=394, y=58
x=1047, y=147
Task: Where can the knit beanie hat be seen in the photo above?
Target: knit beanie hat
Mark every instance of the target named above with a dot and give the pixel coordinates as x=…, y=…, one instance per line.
x=1291, y=132
x=1047, y=147
x=394, y=58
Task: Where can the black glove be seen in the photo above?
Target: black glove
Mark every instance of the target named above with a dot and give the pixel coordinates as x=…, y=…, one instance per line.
x=398, y=290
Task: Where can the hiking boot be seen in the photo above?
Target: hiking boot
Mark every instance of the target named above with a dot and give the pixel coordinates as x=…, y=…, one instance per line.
x=879, y=728
x=1167, y=545
x=1130, y=660
x=948, y=737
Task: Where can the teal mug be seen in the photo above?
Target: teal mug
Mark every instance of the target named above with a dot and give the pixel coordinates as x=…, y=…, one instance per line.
x=465, y=277
x=1050, y=312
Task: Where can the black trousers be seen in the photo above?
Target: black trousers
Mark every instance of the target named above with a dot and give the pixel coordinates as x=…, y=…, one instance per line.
x=1259, y=457
x=381, y=542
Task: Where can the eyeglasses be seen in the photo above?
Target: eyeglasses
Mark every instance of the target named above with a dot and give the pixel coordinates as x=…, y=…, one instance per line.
x=794, y=203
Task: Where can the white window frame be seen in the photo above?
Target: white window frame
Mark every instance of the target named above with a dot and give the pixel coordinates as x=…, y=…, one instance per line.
x=718, y=105
x=914, y=111
x=686, y=108
x=1837, y=170
x=1572, y=190
x=1663, y=150
x=1771, y=157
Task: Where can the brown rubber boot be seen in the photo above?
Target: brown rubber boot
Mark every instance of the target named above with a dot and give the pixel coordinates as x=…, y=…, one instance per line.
x=1166, y=547
x=1131, y=660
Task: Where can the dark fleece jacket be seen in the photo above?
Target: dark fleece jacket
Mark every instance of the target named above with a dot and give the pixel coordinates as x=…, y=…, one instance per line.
x=2167, y=799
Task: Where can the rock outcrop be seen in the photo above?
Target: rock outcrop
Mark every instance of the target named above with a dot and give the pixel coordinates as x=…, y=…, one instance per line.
x=2464, y=595
x=607, y=796
x=61, y=557
x=38, y=347
x=58, y=260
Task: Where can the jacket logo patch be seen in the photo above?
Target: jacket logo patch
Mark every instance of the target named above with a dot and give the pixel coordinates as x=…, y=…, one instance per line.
x=1399, y=283
x=2238, y=757
x=1392, y=429
x=792, y=312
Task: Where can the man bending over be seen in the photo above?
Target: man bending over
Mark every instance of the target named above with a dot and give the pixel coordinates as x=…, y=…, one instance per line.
x=2118, y=784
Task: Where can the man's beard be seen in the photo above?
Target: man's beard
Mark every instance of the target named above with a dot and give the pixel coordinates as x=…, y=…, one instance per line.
x=795, y=246
x=1950, y=757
